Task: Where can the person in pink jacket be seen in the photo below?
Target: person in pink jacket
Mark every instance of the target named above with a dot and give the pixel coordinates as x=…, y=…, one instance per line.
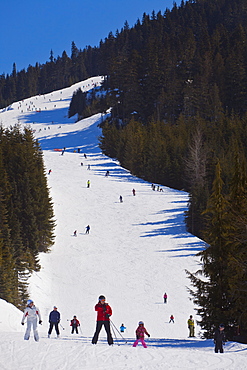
x=140, y=332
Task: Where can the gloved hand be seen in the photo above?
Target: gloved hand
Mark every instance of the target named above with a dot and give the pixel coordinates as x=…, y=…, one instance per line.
x=40, y=322
x=22, y=323
x=148, y=335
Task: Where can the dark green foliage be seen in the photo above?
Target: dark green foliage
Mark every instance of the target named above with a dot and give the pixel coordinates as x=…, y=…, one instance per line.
x=26, y=215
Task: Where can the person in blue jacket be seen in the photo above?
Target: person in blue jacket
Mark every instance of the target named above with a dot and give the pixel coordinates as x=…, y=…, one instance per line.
x=54, y=320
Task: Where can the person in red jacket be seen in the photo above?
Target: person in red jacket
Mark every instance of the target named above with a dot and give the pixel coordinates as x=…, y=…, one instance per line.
x=74, y=323
x=104, y=312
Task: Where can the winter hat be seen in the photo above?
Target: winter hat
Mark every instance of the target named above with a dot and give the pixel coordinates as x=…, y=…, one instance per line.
x=55, y=307
x=101, y=297
x=141, y=323
x=29, y=301
x=221, y=326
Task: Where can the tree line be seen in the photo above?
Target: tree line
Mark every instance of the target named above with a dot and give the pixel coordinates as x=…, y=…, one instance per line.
x=26, y=213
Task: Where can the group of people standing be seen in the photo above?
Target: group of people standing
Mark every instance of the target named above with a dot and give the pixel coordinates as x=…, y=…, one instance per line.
x=104, y=312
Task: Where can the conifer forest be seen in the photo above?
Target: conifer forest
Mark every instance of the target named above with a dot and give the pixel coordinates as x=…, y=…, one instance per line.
x=176, y=83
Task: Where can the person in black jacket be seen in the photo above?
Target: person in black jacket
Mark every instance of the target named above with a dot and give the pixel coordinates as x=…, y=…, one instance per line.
x=219, y=338
x=54, y=319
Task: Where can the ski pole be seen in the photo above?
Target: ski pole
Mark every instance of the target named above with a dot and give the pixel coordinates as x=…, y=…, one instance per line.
x=80, y=329
x=61, y=326
x=118, y=331
x=114, y=333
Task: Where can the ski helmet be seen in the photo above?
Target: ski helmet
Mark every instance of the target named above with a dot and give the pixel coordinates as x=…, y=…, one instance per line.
x=221, y=326
x=101, y=297
x=29, y=301
x=141, y=323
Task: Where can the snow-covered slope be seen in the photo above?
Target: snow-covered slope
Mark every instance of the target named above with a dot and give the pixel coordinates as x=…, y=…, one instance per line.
x=135, y=251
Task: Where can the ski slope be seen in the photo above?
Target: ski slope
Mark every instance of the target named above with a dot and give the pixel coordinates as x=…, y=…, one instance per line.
x=135, y=252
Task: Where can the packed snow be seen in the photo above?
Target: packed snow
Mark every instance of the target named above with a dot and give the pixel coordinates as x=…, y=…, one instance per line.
x=135, y=252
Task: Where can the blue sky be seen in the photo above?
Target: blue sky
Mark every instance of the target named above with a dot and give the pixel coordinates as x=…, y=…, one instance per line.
x=29, y=29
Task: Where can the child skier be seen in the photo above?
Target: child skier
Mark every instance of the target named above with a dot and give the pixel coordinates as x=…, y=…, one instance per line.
x=171, y=319
x=74, y=323
x=122, y=328
x=140, y=332
x=31, y=313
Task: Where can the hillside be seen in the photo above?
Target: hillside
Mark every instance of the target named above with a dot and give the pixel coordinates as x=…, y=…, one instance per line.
x=136, y=250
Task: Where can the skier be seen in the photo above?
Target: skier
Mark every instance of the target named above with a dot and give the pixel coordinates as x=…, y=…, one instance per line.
x=219, y=339
x=191, y=326
x=121, y=199
x=87, y=229
x=74, y=323
x=107, y=173
x=75, y=233
x=31, y=313
x=165, y=298
x=104, y=312
x=49, y=172
x=140, y=332
x=171, y=319
x=134, y=192
x=88, y=183
x=85, y=156
x=122, y=328
x=54, y=320
x=88, y=166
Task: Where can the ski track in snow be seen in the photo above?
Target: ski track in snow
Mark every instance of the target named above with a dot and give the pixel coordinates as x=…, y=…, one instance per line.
x=135, y=251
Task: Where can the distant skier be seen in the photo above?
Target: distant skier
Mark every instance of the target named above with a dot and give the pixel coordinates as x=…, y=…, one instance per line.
x=191, y=326
x=54, y=320
x=88, y=183
x=171, y=319
x=74, y=323
x=85, y=156
x=88, y=166
x=140, y=333
x=75, y=233
x=121, y=199
x=87, y=229
x=31, y=313
x=49, y=172
x=165, y=298
x=107, y=173
x=122, y=328
x=134, y=192
x=219, y=339
x=81, y=164
x=104, y=312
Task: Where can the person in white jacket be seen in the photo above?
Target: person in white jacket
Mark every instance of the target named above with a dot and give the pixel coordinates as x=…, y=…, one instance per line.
x=31, y=313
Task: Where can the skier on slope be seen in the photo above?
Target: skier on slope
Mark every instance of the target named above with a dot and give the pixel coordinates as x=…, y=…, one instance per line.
x=31, y=313
x=219, y=339
x=74, y=323
x=165, y=298
x=191, y=326
x=54, y=320
x=87, y=229
x=122, y=328
x=140, y=333
x=104, y=312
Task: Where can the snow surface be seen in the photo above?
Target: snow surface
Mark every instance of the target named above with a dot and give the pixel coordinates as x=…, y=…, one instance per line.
x=136, y=251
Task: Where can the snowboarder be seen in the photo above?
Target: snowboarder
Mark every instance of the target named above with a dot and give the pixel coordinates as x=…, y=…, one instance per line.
x=219, y=339
x=104, y=312
x=121, y=199
x=171, y=319
x=74, y=323
x=191, y=326
x=87, y=229
x=31, y=313
x=140, y=332
x=54, y=320
x=134, y=192
x=122, y=328
x=165, y=298
x=88, y=183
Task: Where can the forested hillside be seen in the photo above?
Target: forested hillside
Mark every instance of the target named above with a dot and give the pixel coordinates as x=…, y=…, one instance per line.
x=26, y=215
